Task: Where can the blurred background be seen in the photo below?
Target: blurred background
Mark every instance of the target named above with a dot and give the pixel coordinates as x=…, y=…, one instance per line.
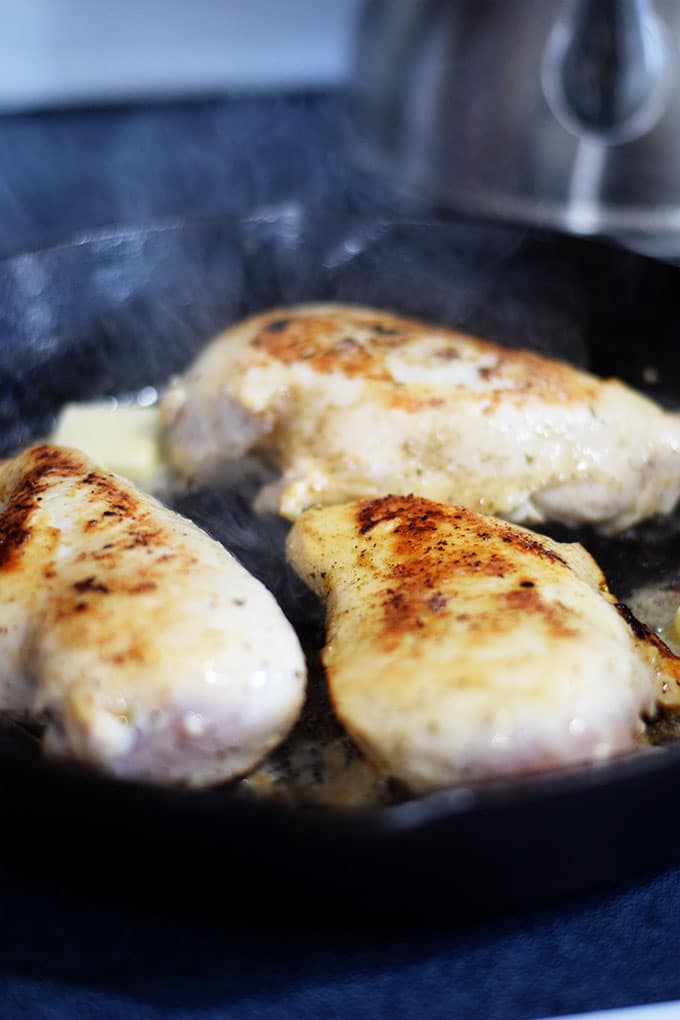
x=123, y=112
x=561, y=113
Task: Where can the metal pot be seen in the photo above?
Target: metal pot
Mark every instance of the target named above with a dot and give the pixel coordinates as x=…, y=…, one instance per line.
x=559, y=112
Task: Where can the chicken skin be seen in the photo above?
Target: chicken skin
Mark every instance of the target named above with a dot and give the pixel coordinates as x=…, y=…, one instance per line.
x=460, y=647
x=354, y=403
x=139, y=643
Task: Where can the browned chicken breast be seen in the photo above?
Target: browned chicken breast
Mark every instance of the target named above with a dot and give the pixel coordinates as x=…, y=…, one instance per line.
x=354, y=402
x=141, y=644
x=460, y=647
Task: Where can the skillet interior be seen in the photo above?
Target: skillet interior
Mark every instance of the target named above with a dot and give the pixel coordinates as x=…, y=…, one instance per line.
x=111, y=313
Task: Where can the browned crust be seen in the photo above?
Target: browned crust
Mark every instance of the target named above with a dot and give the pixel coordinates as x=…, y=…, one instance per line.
x=327, y=343
x=425, y=558
x=115, y=519
x=15, y=520
x=315, y=340
x=118, y=502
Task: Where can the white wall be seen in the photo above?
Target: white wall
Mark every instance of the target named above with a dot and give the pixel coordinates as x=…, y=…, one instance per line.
x=60, y=52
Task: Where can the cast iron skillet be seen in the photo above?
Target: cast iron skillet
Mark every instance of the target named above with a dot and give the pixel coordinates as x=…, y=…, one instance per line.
x=114, y=312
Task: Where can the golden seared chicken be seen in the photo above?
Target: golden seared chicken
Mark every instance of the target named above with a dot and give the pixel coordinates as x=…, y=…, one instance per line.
x=460, y=647
x=354, y=402
x=140, y=643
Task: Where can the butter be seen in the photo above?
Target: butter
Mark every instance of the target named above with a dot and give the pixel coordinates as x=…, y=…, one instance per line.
x=121, y=438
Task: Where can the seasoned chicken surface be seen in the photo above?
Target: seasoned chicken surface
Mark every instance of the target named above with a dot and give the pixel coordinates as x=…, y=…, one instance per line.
x=353, y=403
x=140, y=643
x=460, y=647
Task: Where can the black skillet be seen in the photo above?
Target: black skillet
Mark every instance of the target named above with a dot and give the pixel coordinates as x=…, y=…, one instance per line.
x=111, y=313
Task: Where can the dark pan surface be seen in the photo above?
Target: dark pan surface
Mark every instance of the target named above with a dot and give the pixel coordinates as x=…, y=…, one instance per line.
x=111, y=313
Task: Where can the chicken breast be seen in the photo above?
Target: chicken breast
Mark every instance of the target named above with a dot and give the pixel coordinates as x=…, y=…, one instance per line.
x=460, y=647
x=353, y=403
x=141, y=644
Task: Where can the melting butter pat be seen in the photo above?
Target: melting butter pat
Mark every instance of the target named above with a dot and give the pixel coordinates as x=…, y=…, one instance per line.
x=121, y=438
